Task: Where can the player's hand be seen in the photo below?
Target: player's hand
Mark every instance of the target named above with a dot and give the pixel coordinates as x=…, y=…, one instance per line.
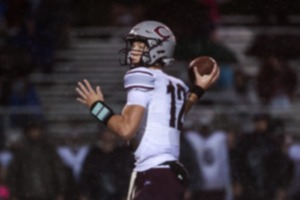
x=87, y=94
x=207, y=80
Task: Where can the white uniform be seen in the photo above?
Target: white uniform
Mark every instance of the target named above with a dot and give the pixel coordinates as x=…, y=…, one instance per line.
x=163, y=98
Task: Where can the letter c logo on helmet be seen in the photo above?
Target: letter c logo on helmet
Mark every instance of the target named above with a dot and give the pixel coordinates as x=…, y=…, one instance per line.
x=161, y=31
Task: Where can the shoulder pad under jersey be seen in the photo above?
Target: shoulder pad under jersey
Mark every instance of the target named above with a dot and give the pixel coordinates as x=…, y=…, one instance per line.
x=139, y=78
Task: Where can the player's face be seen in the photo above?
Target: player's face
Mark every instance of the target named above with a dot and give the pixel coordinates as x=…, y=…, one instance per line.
x=137, y=50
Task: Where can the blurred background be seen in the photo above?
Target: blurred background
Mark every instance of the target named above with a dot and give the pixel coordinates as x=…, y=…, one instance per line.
x=51, y=147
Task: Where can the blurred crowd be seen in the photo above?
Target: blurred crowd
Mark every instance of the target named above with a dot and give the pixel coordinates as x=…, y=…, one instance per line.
x=197, y=33
x=34, y=168
x=30, y=32
x=261, y=163
x=224, y=163
x=234, y=162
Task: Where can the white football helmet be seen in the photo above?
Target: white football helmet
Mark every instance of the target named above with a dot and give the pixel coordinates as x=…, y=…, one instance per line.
x=159, y=39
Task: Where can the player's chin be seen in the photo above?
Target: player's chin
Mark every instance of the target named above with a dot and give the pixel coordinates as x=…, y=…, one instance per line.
x=134, y=60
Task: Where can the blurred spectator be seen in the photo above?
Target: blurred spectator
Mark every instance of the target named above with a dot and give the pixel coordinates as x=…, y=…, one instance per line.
x=4, y=190
x=242, y=92
x=276, y=82
x=90, y=13
x=273, y=12
x=19, y=20
x=212, y=158
x=126, y=12
x=196, y=19
x=13, y=141
x=4, y=87
x=212, y=16
x=200, y=34
x=34, y=4
x=262, y=166
x=3, y=28
x=233, y=138
x=187, y=158
x=5, y=159
x=210, y=45
x=17, y=13
x=106, y=170
x=22, y=93
x=201, y=20
x=50, y=23
x=37, y=28
x=73, y=155
x=294, y=154
x=245, y=94
x=287, y=166
x=36, y=172
x=3, y=102
x=285, y=46
x=107, y=13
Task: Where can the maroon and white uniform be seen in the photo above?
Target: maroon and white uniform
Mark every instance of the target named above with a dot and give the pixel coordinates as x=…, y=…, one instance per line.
x=163, y=98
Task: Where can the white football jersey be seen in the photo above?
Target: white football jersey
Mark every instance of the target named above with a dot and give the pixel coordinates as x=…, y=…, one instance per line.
x=158, y=134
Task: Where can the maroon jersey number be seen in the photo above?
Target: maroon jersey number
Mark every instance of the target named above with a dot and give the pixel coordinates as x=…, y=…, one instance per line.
x=177, y=93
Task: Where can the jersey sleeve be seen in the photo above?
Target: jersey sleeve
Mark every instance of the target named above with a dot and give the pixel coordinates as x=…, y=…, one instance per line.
x=139, y=78
x=139, y=84
x=136, y=96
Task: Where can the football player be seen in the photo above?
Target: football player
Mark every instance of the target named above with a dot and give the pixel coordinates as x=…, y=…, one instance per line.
x=153, y=115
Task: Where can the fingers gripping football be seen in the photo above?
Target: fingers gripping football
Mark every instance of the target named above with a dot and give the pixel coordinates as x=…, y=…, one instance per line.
x=207, y=80
x=87, y=94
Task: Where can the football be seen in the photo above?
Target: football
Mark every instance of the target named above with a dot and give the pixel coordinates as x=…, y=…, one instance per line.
x=204, y=65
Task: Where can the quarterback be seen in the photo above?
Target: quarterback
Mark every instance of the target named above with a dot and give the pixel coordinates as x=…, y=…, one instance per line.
x=153, y=115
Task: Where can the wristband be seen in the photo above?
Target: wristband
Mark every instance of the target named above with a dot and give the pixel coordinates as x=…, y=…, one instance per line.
x=101, y=111
x=199, y=91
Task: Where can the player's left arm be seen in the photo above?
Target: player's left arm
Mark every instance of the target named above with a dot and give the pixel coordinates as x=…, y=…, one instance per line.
x=125, y=124
x=202, y=83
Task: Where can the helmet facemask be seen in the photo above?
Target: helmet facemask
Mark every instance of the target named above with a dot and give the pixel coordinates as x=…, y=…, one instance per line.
x=145, y=59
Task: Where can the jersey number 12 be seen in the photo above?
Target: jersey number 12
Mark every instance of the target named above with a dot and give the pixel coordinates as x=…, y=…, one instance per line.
x=177, y=93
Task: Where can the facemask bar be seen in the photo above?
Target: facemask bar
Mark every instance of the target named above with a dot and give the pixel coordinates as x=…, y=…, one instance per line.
x=123, y=57
x=124, y=54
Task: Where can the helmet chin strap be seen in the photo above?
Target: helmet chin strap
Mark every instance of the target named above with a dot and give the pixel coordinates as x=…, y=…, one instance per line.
x=144, y=60
x=139, y=64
